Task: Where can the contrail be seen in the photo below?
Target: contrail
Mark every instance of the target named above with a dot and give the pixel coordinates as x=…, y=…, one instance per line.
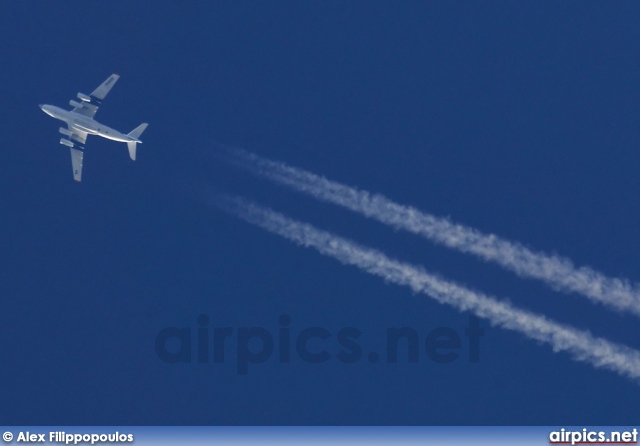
x=580, y=344
x=557, y=272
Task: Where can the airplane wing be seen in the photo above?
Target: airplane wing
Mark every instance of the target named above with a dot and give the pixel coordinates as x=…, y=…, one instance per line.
x=76, y=163
x=76, y=136
x=76, y=144
x=89, y=105
x=104, y=88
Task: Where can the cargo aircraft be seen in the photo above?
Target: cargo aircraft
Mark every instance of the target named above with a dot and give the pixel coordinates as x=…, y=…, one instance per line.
x=80, y=124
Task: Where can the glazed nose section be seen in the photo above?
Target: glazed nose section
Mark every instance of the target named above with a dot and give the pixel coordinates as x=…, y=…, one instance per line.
x=41, y=105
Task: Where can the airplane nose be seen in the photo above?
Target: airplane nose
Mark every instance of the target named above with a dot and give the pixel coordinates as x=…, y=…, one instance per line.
x=41, y=105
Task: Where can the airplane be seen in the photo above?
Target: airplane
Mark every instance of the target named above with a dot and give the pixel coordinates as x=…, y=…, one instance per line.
x=80, y=124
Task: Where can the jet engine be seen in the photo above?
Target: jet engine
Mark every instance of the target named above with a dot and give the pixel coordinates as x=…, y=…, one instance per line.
x=66, y=142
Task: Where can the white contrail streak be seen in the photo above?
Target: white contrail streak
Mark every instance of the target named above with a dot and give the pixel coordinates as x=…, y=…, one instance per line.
x=580, y=344
x=558, y=272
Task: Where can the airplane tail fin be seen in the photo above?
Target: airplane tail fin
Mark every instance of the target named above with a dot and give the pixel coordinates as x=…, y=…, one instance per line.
x=135, y=134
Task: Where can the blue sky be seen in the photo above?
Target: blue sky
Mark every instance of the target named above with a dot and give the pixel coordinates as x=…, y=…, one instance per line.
x=515, y=118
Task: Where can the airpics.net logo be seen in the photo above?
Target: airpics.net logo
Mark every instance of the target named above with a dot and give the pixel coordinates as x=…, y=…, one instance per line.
x=250, y=346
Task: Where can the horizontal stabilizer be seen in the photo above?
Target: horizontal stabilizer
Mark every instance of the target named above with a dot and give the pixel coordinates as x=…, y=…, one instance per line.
x=131, y=145
x=135, y=133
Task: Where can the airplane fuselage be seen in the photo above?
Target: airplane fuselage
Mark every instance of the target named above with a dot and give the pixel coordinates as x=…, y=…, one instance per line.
x=85, y=124
x=81, y=123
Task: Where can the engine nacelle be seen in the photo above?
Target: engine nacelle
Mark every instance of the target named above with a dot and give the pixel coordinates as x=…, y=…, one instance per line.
x=75, y=104
x=65, y=131
x=83, y=97
x=66, y=142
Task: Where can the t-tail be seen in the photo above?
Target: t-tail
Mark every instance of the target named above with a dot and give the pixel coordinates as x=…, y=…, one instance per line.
x=135, y=135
